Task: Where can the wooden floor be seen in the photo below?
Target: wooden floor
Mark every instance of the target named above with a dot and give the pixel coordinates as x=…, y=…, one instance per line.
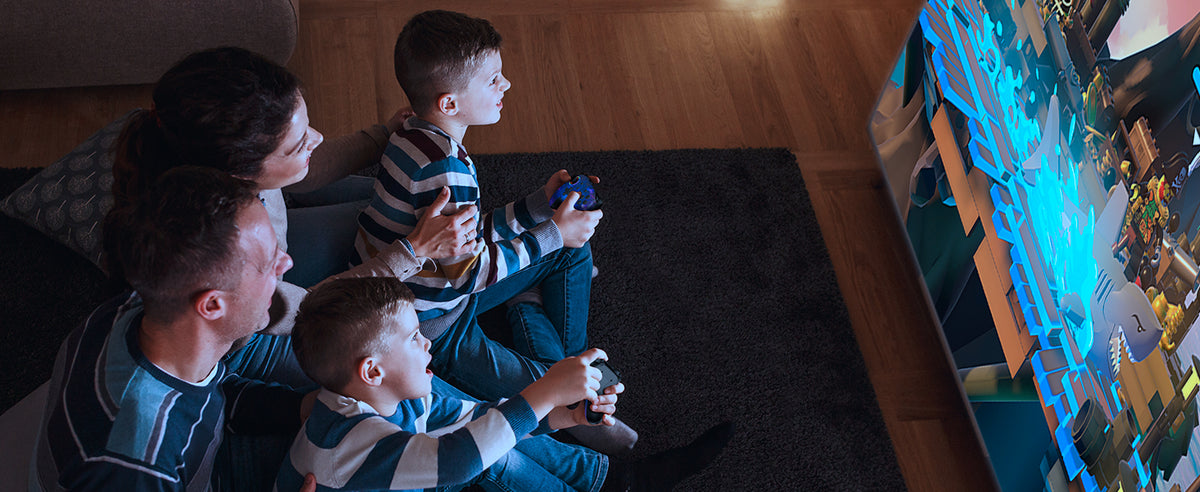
x=659, y=74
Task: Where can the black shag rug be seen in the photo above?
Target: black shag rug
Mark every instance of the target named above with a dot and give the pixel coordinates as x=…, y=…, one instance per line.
x=716, y=300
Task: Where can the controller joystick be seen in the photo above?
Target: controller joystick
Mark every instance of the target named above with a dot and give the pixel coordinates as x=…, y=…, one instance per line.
x=588, y=199
x=608, y=377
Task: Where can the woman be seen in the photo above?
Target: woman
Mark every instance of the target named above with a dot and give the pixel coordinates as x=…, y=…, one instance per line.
x=233, y=110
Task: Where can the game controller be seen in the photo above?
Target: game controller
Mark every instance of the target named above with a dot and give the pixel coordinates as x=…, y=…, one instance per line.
x=588, y=200
x=608, y=377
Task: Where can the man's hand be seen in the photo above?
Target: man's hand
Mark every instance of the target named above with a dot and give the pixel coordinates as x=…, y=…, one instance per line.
x=310, y=483
x=576, y=226
x=440, y=236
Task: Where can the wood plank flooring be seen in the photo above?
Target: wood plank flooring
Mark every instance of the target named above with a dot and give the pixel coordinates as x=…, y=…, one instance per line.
x=659, y=74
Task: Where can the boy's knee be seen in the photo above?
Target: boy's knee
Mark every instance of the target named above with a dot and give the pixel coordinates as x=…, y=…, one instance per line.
x=497, y=471
x=578, y=255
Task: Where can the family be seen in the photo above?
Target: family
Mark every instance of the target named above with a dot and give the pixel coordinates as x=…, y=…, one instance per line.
x=274, y=292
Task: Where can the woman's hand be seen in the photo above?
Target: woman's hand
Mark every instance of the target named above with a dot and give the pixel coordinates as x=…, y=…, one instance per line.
x=397, y=120
x=440, y=236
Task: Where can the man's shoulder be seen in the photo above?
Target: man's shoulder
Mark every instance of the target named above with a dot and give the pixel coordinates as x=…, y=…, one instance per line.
x=113, y=410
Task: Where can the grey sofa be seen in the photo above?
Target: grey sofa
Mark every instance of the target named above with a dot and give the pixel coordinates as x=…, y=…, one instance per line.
x=72, y=43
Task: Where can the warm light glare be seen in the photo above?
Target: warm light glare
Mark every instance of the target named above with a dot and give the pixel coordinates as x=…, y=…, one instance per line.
x=752, y=4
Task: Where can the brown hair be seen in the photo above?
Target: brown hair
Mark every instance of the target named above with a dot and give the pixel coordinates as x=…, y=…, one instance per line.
x=224, y=108
x=178, y=238
x=341, y=321
x=436, y=53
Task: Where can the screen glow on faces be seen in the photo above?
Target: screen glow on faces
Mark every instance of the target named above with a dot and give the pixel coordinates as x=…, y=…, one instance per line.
x=289, y=163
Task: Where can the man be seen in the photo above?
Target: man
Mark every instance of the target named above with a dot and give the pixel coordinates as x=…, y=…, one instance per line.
x=139, y=399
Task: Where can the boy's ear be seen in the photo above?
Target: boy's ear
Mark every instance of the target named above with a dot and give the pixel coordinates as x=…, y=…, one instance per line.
x=210, y=304
x=447, y=104
x=370, y=372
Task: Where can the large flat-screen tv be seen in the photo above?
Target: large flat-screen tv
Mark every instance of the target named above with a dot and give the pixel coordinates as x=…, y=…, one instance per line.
x=1042, y=155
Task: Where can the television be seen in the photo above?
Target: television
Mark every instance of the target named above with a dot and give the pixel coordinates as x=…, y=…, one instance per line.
x=1042, y=157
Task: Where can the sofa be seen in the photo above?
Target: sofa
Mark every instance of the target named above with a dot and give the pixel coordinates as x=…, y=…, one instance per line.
x=73, y=43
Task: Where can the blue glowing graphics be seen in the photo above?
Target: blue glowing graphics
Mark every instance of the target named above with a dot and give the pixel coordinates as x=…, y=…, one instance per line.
x=1042, y=208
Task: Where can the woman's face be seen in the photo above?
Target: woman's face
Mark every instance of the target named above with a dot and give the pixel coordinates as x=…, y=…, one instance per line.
x=289, y=163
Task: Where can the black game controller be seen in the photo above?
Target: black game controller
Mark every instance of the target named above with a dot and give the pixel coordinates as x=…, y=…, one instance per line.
x=588, y=200
x=608, y=377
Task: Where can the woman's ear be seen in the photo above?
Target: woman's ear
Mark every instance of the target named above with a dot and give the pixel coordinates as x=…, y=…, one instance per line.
x=210, y=304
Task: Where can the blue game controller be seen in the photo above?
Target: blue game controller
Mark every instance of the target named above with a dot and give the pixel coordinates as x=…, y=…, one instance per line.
x=588, y=200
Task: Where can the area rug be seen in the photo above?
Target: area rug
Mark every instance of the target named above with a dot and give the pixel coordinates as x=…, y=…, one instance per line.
x=716, y=300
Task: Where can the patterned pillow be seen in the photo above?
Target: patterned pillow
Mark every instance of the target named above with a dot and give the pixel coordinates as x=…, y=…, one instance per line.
x=67, y=201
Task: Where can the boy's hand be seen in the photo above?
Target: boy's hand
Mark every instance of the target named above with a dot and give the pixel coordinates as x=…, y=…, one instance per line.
x=558, y=179
x=440, y=236
x=567, y=381
x=606, y=404
x=576, y=226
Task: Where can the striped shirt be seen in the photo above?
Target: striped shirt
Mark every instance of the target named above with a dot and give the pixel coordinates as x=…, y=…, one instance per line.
x=115, y=421
x=429, y=442
x=421, y=159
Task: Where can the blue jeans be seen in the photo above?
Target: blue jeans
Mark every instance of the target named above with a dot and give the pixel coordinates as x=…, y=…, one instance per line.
x=543, y=464
x=321, y=228
x=484, y=368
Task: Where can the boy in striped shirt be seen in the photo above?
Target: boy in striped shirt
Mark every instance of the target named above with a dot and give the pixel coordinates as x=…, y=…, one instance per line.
x=376, y=425
x=449, y=65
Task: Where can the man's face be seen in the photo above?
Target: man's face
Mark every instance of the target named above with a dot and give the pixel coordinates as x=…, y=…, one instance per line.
x=262, y=262
x=288, y=164
x=480, y=102
x=405, y=359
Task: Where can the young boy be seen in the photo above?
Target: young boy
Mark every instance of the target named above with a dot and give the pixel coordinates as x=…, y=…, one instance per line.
x=449, y=66
x=376, y=425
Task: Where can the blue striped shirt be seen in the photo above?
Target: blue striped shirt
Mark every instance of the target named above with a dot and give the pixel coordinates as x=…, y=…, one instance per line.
x=421, y=159
x=115, y=421
x=429, y=442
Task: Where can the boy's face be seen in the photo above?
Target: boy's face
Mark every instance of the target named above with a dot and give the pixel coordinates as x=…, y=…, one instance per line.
x=406, y=359
x=480, y=102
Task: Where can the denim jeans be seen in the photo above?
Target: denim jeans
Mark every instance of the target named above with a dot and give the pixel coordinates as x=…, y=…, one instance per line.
x=484, y=368
x=321, y=228
x=543, y=464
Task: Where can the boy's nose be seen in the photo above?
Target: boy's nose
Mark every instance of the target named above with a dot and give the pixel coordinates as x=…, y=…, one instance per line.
x=504, y=84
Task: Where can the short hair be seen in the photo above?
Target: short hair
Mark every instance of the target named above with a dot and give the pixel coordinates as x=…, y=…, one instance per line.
x=226, y=108
x=437, y=52
x=341, y=321
x=179, y=238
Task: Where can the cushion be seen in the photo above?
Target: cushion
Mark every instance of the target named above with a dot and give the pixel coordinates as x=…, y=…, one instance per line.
x=67, y=201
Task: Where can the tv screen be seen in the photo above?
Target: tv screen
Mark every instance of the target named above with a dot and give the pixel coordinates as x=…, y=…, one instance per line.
x=1042, y=157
